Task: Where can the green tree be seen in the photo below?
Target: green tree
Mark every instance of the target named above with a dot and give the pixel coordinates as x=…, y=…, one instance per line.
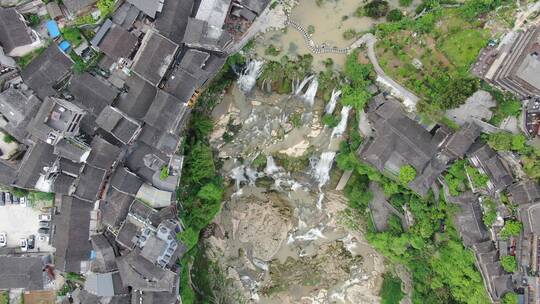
x=511, y=228
x=330, y=120
x=201, y=125
x=510, y=298
x=376, y=8
x=211, y=193
x=407, y=174
x=355, y=97
x=394, y=15
x=199, y=164
x=509, y=263
x=391, y=292
x=478, y=179
x=405, y=3
x=394, y=225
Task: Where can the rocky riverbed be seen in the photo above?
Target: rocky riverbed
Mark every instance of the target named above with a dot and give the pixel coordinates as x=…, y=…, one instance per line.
x=283, y=235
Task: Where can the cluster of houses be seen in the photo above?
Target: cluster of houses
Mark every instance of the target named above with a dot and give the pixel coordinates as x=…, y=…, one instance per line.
x=399, y=140
x=105, y=140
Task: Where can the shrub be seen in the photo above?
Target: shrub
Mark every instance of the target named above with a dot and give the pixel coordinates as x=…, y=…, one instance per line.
x=509, y=264
x=510, y=298
x=349, y=34
x=272, y=50
x=8, y=138
x=330, y=120
x=394, y=15
x=391, y=292
x=478, y=179
x=376, y=9
x=164, y=173
x=33, y=19
x=511, y=228
x=407, y=174
x=405, y=3
x=310, y=29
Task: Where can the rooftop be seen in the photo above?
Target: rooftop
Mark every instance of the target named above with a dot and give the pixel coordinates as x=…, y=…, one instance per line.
x=154, y=57
x=22, y=272
x=13, y=30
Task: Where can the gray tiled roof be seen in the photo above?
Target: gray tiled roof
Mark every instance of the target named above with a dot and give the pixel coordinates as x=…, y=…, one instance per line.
x=149, y=7
x=524, y=192
x=21, y=272
x=167, y=113
x=126, y=181
x=139, y=97
x=199, y=35
x=69, y=167
x=71, y=239
x=75, y=6
x=163, y=141
x=46, y=70
x=118, y=43
x=126, y=15
x=18, y=109
x=63, y=183
x=128, y=234
x=115, y=207
x=118, y=124
x=141, y=274
x=91, y=92
x=105, y=258
x=90, y=182
x=39, y=156
x=103, y=153
x=173, y=19
x=154, y=57
x=13, y=30
x=74, y=151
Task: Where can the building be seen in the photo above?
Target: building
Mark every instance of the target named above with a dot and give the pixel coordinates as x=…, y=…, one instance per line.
x=488, y=162
x=77, y=7
x=524, y=192
x=532, y=117
x=149, y=7
x=47, y=71
x=17, y=108
x=154, y=57
x=115, y=41
x=27, y=273
x=16, y=38
x=514, y=65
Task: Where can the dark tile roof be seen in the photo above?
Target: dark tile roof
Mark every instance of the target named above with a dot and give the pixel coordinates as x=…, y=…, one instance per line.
x=163, y=141
x=114, y=208
x=257, y=6
x=149, y=7
x=118, y=43
x=18, y=109
x=141, y=274
x=105, y=257
x=63, y=183
x=461, y=141
x=21, y=272
x=39, y=156
x=145, y=160
x=197, y=36
x=75, y=6
x=524, y=192
x=69, y=167
x=103, y=154
x=173, y=19
x=72, y=150
x=71, y=236
x=154, y=57
x=91, y=92
x=7, y=173
x=128, y=235
x=155, y=297
x=139, y=97
x=13, y=31
x=167, y=113
x=126, y=15
x=126, y=181
x=90, y=183
x=182, y=86
x=45, y=71
x=118, y=124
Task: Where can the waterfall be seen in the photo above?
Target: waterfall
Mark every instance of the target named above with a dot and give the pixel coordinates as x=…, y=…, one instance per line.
x=298, y=89
x=309, y=96
x=319, y=201
x=238, y=174
x=271, y=166
x=321, y=170
x=340, y=128
x=331, y=106
x=311, y=235
x=249, y=76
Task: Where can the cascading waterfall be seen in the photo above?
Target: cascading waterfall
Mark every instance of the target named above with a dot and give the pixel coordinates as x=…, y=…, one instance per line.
x=249, y=76
x=311, y=235
x=331, y=106
x=298, y=88
x=271, y=166
x=309, y=95
x=340, y=128
x=321, y=171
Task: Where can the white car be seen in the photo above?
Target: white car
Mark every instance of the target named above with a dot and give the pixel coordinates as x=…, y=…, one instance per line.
x=24, y=201
x=3, y=239
x=24, y=244
x=44, y=217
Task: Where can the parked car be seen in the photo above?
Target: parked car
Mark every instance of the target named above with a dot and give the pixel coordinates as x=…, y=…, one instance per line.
x=7, y=197
x=3, y=239
x=16, y=200
x=24, y=244
x=44, y=217
x=31, y=241
x=44, y=224
x=24, y=201
x=43, y=231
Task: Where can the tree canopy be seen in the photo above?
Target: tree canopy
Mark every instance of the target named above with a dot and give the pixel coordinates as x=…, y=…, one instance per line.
x=407, y=174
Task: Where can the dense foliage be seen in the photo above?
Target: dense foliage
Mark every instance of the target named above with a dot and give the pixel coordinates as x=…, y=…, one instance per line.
x=376, y=8
x=407, y=174
x=391, y=292
x=456, y=178
x=509, y=263
x=511, y=228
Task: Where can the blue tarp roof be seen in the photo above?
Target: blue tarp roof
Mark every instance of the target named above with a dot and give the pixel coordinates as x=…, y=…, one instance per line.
x=53, y=29
x=64, y=46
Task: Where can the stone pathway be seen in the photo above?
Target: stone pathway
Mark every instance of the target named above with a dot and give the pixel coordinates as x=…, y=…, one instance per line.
x=311, y=45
